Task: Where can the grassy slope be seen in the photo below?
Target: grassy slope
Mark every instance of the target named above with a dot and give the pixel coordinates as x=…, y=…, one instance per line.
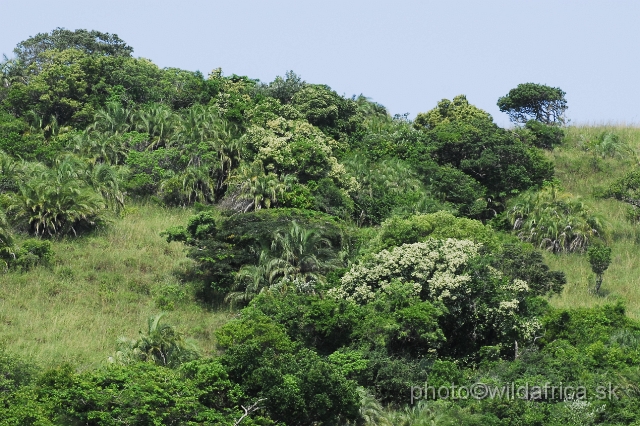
x=102, y=287
x=580, y=175
x=105, y=286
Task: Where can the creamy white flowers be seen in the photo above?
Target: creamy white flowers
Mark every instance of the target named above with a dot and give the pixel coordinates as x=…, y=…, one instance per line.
x=445, y=271
x=435, y=266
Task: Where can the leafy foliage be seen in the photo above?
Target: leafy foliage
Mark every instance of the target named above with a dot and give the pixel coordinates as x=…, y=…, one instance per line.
x=534, y=101
x=298, y=386
x=457, y=110
x=324, y=108
x=607, y=144
x=441, y=225
x=284, y=89
x=627, y=189
x=599, y=258
x=541, y=135
x=555, y=221
x=161, y=345
x=450, y=272
x=357, y=245
x=222, y=246
x=67, y=198
x=91, y=42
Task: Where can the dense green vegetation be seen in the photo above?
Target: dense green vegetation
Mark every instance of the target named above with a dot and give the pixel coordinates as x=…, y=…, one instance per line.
x=181, y=249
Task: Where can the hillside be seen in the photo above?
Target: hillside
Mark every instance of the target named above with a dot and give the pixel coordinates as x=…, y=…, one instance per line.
x=583, y=176
x=105, y=286
x=178, y=249
x=101, y=287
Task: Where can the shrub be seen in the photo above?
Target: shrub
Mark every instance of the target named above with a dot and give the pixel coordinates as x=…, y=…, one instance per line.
x=483, y=306
x=554, y=220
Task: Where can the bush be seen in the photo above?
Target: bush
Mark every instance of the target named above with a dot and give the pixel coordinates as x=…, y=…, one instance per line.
x=222, y=245
x=554, y=220
x=147, y=169
x=545, y=136
x=299, y=387
x=31, y=253
x=441, y=225
x=482, y=306
x=330, y=199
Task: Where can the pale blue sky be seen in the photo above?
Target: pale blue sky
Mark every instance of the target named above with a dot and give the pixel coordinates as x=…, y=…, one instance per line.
x=405, y=54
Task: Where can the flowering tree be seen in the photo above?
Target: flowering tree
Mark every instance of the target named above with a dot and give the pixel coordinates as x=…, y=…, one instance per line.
x=482, y=306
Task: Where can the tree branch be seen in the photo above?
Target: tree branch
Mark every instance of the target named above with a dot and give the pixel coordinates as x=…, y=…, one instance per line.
x=249, y=410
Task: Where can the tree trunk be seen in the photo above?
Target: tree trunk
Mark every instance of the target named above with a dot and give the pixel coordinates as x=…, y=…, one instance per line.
x=598, y=282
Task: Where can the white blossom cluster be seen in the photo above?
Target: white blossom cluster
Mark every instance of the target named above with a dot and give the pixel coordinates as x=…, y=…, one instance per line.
x=437, y=270
x=273, y=144
x=433, y=265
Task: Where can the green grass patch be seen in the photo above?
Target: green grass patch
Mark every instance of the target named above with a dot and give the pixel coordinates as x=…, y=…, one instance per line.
x=582, y=173
x=100, y=287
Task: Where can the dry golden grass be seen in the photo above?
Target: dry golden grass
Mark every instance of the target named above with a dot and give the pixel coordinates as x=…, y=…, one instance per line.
x=101, y=287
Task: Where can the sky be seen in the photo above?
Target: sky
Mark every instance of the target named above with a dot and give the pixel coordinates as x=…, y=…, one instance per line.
x=406, y=54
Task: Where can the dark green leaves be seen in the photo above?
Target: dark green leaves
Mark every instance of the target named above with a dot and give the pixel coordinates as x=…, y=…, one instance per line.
x=534, y=101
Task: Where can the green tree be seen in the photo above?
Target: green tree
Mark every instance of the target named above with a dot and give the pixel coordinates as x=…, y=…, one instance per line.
x=104, y=148
x=383, y=188
x=285, y=88
x=90, y=42
x=299, y=386
x=492, y=156
x=7, y=251
x=541, y=135
x=114, y=119
x=159, y=122
x=334, y=115
x=305, y=255
x=600, y=259
x=534, y=101
x=482, y=306
x=221, y=246
x=459, y=110
x=298, y=257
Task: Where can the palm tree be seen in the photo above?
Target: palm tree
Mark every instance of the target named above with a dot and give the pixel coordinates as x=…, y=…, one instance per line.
x=251, y=280
x=49, y=126
x=198, y=125
x=228, y=153
x=159, y=122
x=12, y=71
x=161, y=345
x=208, y=141
x=554, y=220
x=115, y=119
x=10, y=173
x=102, y=147
x=104, y=179
x=305, y=253
x=297, y=257
x=6, y=242
x=608, y=144
x=56, y=200
x=391, y=176
x=193, y=184
x=260, y=188
x=371, y=411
